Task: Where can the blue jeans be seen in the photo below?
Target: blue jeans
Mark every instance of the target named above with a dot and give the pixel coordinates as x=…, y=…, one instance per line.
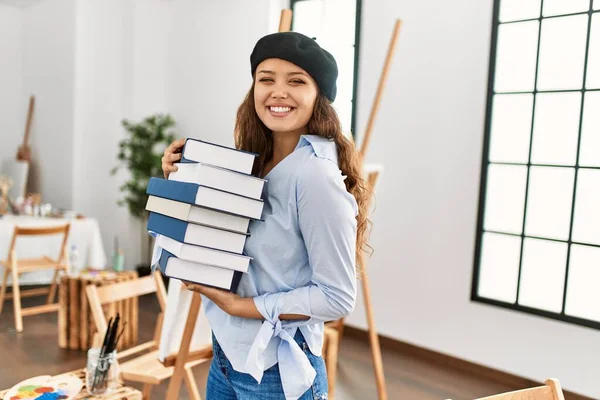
x=225, y=383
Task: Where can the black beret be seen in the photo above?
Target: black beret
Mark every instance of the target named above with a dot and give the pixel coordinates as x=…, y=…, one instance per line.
x=302, y=51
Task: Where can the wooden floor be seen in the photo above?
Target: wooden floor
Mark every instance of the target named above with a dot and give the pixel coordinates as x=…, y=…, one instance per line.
x=35, y=351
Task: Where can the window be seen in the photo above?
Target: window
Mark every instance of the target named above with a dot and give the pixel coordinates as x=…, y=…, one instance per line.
x=336, y=26
x=538, y=234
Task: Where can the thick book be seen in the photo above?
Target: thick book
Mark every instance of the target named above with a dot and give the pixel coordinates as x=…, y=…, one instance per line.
x=195, y=150
x=204, y=255
x=200, y=235
x=198, y=215
x=219, y=178
x=205, y=196
x=208, y=275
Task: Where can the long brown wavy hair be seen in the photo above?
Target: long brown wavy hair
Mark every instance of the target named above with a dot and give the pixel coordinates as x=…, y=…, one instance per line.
x=252, y=135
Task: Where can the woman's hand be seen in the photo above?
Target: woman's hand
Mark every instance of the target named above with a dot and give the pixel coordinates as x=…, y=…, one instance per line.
x=172, y=154
x=229, y=302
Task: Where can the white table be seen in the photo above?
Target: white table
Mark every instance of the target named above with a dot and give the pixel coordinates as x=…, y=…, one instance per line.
x=84, y=235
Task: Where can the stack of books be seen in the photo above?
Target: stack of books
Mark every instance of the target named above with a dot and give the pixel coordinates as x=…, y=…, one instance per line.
x=201, y=214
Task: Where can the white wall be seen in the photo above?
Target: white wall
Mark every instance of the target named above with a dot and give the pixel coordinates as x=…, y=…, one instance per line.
x=209, y=63
x=429, y=135
x=103, y=90
x=12, y=122
x=48, y=43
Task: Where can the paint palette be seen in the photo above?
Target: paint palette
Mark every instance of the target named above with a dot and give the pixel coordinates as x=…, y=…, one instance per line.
x=99, y=274
x=46, y=387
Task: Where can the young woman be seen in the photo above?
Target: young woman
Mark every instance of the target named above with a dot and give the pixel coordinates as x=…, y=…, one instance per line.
x=267, y=338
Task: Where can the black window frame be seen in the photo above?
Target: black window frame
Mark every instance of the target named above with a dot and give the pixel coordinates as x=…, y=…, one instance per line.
x=485, y=164
x=356, y=58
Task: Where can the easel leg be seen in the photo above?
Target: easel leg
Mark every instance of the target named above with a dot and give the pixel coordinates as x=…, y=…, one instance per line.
x=17, y=300
x=52, y=293
x=373, y=337
x=331, y=363
x=184, y=350
x=3, y=290
x=190, y=383
x=146, y=391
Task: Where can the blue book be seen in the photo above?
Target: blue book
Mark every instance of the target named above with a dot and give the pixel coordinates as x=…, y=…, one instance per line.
x=200, y=235
x=205, y=196
x=197, y=215
x=208, y=275
x=195, y=150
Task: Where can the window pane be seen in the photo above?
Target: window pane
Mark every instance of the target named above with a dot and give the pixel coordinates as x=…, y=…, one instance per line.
x=333, y=24
x=593, y=69
x=596, y=4
x=583, y=296
x=513, y=10
x=556, y=127
x=543, y=274
x=511, y=128
x=549, y=202
x=586, y=219
x=562, y=52
x=515, y=57
x=499, y=269
x=589, y=151
x=505, y=198
x=559, y=7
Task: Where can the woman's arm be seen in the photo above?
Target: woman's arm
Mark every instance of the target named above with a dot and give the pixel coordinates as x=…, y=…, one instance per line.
x=170, y=156
x=235, y=305
x=327, y=221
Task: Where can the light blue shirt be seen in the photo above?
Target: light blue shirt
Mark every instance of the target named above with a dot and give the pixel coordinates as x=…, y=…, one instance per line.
x=303, y=263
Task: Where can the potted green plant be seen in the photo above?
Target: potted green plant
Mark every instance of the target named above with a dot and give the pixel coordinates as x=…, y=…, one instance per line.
x=140, y=152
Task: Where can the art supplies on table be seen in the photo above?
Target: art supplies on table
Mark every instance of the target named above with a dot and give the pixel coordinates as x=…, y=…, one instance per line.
x=100, y=361
x=46, y=387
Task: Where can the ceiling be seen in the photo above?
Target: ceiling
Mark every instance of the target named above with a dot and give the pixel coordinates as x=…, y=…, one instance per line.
x=20, y=3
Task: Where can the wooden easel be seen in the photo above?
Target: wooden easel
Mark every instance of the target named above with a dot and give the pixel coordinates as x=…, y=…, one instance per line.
x=372, y=175
x=24, y=151
x=372, y=178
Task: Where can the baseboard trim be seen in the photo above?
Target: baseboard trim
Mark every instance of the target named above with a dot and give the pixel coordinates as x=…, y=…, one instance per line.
x=432, y=356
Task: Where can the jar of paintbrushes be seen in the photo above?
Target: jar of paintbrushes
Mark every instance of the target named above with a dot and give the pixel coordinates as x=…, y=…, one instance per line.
x=102, y=368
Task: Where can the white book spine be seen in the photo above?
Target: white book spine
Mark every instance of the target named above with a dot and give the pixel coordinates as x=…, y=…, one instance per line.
x=229, y=203
x=219, y=156
x=220, y=220
x=218, y=178
x=199, y=273
x=170, y=208
x=203, y=255
x=215, y=238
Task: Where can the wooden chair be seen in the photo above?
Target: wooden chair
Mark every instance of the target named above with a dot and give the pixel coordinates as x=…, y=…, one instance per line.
x=15, y=267
x=145, y=367
x=550, y=391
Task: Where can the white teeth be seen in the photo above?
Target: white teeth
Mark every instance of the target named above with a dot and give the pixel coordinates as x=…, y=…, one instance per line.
x=280, y=109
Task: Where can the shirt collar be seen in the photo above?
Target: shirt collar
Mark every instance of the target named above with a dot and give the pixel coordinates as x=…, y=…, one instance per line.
x=323, y=147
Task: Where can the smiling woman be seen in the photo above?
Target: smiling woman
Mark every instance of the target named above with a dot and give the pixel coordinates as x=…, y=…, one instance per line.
x=268, y=337
x=284, y=96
